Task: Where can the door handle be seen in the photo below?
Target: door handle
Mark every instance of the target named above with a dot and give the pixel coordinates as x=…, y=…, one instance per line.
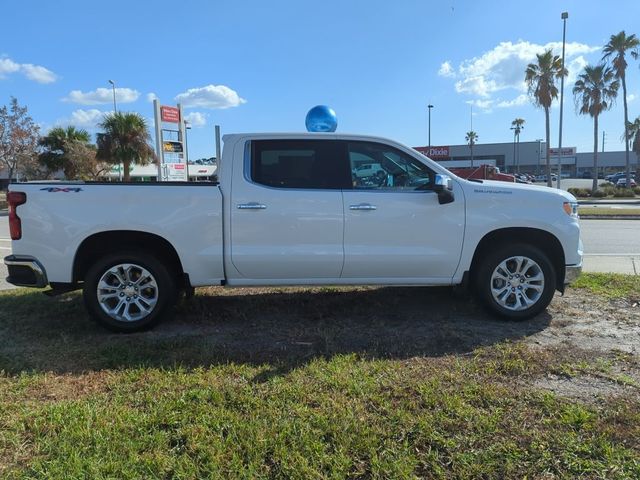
x=251, y=206
x=363, y=206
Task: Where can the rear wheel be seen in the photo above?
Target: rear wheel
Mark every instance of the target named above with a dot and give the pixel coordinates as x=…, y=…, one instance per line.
x=129, y=291
x=516, y=281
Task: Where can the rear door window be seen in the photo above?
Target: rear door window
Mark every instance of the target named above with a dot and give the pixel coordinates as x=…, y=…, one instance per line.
x=302, y=164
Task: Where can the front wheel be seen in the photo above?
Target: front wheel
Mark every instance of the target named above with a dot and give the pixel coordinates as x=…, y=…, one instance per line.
x=129, y=291
x=516, y=281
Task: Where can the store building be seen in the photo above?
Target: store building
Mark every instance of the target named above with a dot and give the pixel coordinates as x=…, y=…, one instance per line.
x=528, y=157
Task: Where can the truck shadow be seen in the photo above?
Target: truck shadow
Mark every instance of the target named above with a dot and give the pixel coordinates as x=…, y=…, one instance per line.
x=283, y=328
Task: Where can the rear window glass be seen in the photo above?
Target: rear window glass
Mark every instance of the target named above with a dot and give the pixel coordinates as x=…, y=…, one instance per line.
x=313, y=164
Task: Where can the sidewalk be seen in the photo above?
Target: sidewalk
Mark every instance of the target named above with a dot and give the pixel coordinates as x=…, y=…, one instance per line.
x=611, y=264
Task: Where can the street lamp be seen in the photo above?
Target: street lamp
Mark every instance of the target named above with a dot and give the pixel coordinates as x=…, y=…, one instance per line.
x=429, y=107
x=517, y=128
x=187, y=126
x=113, y=86
x=539, y=140
x=564, y=17
x=515, y=132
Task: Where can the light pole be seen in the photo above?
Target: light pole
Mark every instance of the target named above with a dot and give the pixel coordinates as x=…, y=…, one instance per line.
x=113, y=87
x=564, y=17
x=187, y=127
x=539, y=140
x=515, y=132
x=115, y=110
x=429, y=149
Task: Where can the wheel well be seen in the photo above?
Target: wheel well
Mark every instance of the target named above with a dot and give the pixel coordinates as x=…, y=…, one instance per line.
x=100, y=244
x=540, y=239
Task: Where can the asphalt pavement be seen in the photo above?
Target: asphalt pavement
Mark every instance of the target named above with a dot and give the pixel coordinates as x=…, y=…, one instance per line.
x=609, y=246
x=5, y=248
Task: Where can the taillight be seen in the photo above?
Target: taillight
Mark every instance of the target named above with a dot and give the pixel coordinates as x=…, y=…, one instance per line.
x=15, y=225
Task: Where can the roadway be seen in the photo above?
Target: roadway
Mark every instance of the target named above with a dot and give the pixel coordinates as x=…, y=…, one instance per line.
x=609, y=245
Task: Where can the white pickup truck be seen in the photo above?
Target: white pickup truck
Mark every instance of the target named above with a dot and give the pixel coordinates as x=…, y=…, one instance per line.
x=288, y=210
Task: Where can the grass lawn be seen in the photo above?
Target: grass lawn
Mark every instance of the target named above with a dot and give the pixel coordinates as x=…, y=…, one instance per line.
x=608, y=211
x=213, y=400
x=610, y=285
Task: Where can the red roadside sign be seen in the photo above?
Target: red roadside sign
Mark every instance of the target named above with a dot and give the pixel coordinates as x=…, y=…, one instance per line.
x=169, y=114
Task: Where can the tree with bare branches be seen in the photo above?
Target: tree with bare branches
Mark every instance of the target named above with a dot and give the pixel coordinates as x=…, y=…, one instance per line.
x=19, y=136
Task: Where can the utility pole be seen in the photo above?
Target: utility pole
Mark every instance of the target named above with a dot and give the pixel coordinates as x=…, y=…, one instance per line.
x=429, y=107
x=564, y=17
x=515, y=130
x=603, y=137
x=115, y=110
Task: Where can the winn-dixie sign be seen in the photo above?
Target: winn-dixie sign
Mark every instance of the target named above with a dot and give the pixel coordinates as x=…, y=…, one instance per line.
x=169, y=114
x=566, y=152
x=434, y=152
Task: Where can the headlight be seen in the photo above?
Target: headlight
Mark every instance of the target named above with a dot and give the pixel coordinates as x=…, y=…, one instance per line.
x=571, y=209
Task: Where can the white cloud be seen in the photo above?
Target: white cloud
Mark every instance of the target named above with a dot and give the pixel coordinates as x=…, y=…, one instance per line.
x=88, y=119
x=101, y=96
x=631, y=97
x=8, y=66
x=446, y=70
x=574, y=68
x=484, y=105
x=503, y=67
x=210, y=96
x=37, y=73
x=196, y=119
x=151, y=97
x=521, y=99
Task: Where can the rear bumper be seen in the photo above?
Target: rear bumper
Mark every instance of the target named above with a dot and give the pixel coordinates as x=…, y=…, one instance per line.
x=25, y=271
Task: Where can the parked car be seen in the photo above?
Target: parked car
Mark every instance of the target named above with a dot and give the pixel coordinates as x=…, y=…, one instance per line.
x=543, y=178
x=622, y=183
x=610, y=176
x=614, y=178
x=286, y=211
x=369, y=170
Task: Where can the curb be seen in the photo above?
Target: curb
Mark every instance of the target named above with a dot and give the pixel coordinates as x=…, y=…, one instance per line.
x=621, y=201
x=609, y=217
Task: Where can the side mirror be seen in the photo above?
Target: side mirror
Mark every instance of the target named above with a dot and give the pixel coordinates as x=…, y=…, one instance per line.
x=443, y=186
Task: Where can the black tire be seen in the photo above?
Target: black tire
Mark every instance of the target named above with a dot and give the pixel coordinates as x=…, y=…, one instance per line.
x=508, y=305
x=163, y=292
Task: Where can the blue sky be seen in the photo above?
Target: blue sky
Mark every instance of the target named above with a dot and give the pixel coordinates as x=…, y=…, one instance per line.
x=261, y=65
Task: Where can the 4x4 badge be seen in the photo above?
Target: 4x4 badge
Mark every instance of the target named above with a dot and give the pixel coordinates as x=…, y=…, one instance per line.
x=65, y=189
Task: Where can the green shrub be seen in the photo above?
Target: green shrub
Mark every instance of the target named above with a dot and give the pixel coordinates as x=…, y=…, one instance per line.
x=624, y=193
x=609, y=189
x=599, y=194
x=580, y=192
x=636, y=190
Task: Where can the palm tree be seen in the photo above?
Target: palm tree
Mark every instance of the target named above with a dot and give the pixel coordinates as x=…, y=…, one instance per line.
x=617, y=49
x=594, y=92
x=633, y=133
x=57, y=146
x=517, y=125
x=541, y=81
x=125, y=140
x=471, y=138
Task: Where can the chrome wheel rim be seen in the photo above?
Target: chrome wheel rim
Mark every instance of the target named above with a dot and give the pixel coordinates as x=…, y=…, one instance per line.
x=127, y=292
x=517, y=283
